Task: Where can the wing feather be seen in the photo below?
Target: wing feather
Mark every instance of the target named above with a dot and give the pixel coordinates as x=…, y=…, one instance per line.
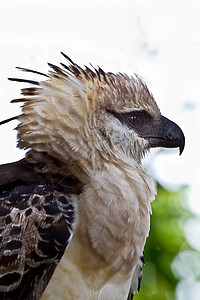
x=36, y=226
x=137, y=278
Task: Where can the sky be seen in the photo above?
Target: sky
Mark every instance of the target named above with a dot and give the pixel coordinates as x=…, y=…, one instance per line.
x=160, y=40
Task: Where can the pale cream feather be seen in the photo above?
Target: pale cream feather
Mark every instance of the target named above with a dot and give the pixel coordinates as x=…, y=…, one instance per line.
x=68, y=119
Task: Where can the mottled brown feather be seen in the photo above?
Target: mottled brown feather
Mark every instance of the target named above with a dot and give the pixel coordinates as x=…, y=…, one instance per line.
x=36, y=219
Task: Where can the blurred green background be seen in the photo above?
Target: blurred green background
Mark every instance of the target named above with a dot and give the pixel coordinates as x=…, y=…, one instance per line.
x=167, y=253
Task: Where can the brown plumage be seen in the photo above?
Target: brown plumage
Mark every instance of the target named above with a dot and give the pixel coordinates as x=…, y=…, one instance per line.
x=78, y=205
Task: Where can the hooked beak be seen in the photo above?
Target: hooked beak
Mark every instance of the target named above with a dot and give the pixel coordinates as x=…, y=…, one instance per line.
x=169, y=135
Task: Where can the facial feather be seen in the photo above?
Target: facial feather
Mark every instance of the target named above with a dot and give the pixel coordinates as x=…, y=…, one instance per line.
x=81, y=113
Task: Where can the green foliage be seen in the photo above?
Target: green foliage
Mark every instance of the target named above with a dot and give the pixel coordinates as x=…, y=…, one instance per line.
x=166, y=239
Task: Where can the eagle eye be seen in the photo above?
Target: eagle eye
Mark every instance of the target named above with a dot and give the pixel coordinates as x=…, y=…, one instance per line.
x=133, y=119
x=136, y=118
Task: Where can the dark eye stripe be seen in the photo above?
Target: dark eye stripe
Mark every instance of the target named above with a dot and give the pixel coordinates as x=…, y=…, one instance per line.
x=134, y=118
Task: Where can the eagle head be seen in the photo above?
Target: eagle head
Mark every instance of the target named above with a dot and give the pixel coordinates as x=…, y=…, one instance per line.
x=86, y=115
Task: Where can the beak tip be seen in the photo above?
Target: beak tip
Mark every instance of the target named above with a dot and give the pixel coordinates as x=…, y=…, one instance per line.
x=182, y=145
x=174, y=134
x=180, y=151
x=181, y=148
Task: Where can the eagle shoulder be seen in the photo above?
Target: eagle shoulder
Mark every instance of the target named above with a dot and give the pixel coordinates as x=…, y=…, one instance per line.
x=36, y=225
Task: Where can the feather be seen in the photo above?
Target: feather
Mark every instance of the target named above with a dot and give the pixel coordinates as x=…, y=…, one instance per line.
x=19, y=100
x=38, y=217
x=32, y=71
x=32, y=91
x=8, y=120
x=57, y=70
x=69, y=59
x=24, y=80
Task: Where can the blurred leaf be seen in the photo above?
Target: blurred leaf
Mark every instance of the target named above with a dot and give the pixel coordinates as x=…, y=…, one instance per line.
x=166, y=240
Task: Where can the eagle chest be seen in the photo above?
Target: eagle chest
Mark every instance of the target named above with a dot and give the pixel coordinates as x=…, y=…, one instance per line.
x=114, y=230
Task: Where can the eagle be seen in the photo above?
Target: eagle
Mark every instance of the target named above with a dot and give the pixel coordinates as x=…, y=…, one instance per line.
x=75, y=211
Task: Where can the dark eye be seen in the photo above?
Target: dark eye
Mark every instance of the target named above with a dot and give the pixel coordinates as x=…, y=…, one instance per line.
x=133, y=119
